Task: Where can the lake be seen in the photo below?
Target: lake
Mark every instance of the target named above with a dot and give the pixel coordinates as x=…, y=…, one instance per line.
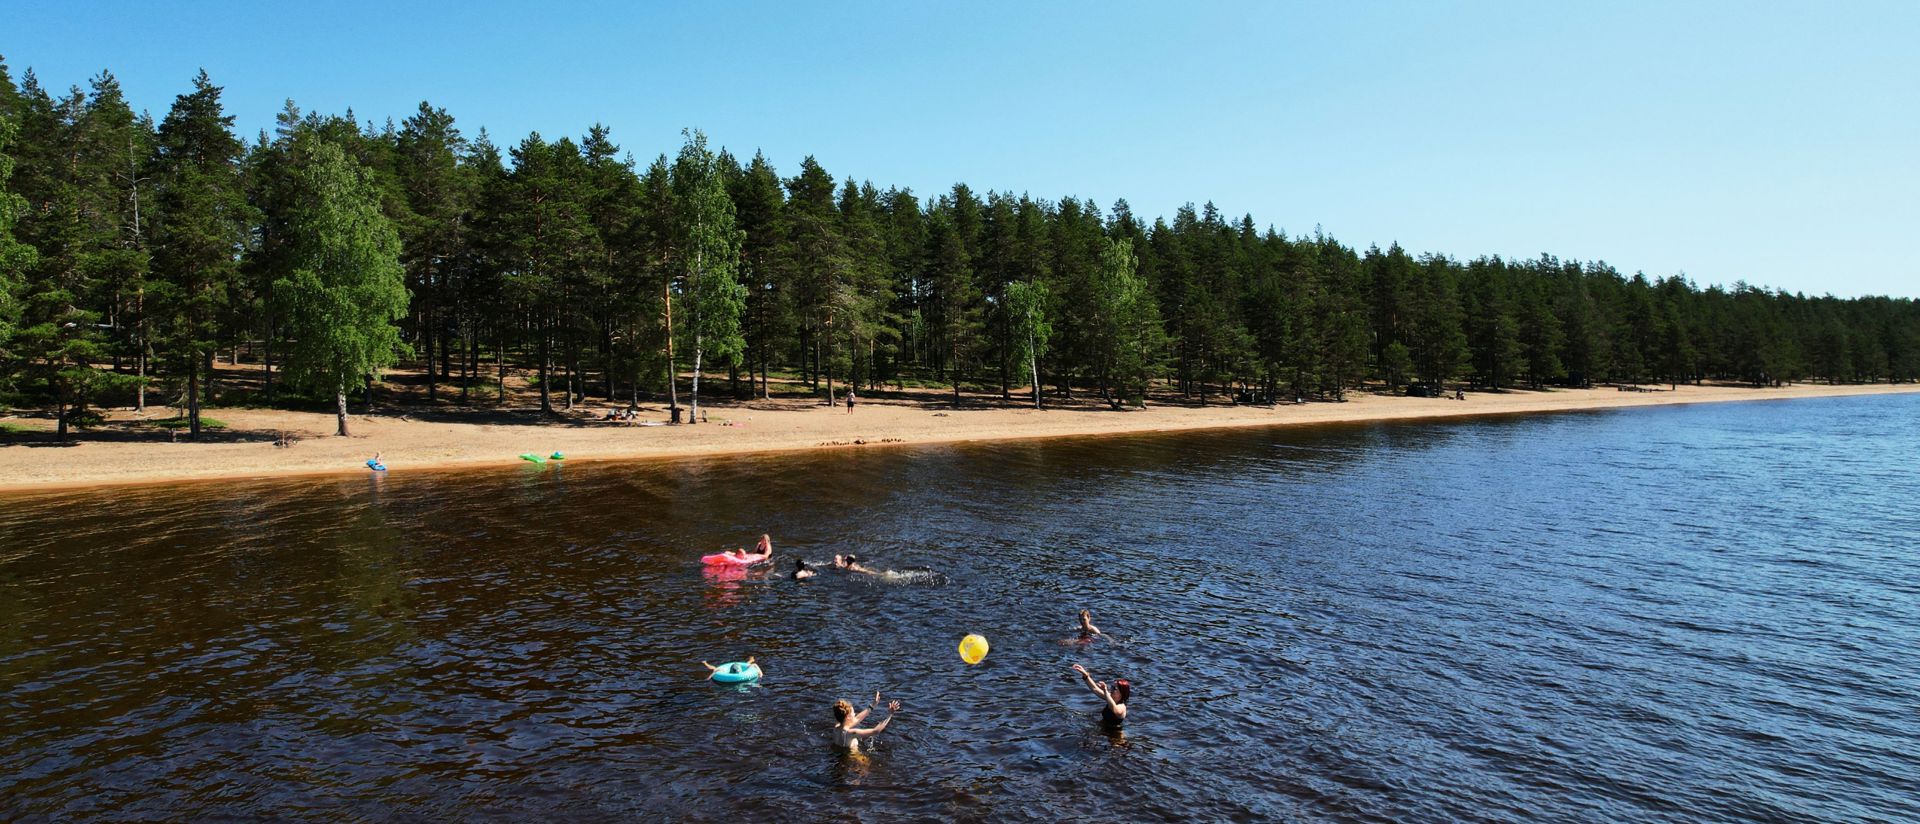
x=1682, y=613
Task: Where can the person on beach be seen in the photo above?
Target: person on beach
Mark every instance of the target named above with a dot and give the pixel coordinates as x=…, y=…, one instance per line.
x=849, y=400
x=847, y=734
x=711, y=669
x=1115, y=696
x=801, y=570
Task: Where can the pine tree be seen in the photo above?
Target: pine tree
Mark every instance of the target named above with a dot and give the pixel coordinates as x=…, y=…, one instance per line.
x=439, y=195
x=953, y=300
x=59, y=338
x=758, y=210
x=1434, y=335
x=348, y=286
x=814, y=255
x=201, y=224
x=15, y=257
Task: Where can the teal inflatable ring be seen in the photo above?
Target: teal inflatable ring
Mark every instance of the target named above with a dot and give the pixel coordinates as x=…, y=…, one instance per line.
x=737, y=672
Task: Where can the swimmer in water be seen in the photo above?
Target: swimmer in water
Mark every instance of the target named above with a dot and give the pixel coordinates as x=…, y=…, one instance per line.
x=918, y=575
x=851, y=563
x=1115, y=696
x=1088, y=631
x=711, y=669
x=763, y=551
x=846, y=731
x=801, y=571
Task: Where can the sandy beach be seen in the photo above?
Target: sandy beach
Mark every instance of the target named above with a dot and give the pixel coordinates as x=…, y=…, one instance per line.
x=124, y=451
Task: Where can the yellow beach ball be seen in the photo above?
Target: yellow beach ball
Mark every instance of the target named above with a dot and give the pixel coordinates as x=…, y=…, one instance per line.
x=973, y=648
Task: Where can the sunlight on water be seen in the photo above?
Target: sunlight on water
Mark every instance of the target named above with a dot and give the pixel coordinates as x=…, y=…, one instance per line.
x=1690, y=613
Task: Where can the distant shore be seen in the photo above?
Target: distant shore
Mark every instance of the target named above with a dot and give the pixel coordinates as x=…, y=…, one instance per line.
x=128, y=452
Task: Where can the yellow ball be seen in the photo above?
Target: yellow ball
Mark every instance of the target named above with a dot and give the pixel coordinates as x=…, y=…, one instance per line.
x=973, y=648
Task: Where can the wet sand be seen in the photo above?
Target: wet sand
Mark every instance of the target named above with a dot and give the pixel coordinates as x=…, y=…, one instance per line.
x=125, y=452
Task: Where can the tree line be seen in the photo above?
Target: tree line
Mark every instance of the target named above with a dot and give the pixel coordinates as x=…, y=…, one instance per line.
x=135, y=253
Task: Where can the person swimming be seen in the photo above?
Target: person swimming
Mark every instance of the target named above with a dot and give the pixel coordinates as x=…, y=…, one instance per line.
x=1088, y=631
x=802, y=570
x=847, y=734
x=1114, y=713
x=711, y=669
x=851, y=563
x=921, y=575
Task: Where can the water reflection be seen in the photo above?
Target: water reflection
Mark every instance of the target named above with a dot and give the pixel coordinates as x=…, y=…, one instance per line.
x=1509, y=619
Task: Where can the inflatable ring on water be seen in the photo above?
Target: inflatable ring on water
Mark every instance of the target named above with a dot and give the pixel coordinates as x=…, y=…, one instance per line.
x=723, y=559
x=736, y=672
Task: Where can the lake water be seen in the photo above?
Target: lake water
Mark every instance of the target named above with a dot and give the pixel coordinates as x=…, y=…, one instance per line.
x=1698, y=613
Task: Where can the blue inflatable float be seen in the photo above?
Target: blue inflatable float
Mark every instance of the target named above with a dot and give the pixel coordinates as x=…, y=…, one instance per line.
x=736, y=672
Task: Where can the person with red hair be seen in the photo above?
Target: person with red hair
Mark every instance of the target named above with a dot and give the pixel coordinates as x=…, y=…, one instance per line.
x=1114, y=695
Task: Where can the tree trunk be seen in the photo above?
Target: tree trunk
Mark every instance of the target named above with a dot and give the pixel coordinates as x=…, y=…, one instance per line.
x=426, y=346
x=1033, y=361
x=673, y=383
x=469, y=355
x=145, y=354
x=546, y=403
x=693, y=412
x=266, y=352
x=340, y=409
x=193, y=398
x=60, y=415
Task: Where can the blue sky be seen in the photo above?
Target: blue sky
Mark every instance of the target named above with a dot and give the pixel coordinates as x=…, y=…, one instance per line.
x=1771, y=142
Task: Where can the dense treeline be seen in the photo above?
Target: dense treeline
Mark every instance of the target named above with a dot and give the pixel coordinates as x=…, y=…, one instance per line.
x=134, y=253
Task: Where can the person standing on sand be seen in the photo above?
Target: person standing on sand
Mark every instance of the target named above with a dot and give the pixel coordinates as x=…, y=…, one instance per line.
x=849, y=400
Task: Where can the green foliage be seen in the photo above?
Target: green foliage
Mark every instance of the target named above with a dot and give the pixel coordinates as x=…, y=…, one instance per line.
x=346, y=288
x=180, y=422
x=15, y=257
x=125, y=243
x=709, y=257
x=1126, y=321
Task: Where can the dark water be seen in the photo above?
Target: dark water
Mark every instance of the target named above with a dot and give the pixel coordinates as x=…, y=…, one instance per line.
x=1685, y=614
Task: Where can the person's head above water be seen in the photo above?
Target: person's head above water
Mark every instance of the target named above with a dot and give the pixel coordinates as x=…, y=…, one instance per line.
x=842, y=710
x=1121, y=689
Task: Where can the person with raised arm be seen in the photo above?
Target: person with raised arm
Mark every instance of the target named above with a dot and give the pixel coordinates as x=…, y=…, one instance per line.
x=847, y=733
x=1114, y=696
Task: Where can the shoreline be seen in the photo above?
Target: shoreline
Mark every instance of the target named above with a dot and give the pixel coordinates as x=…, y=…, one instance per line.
x=778, y=426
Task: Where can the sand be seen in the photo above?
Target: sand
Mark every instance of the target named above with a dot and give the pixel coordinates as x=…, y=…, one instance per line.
x=127, y=452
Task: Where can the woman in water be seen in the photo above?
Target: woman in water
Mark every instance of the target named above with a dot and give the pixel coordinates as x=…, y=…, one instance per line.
x=801, y=571
x=763, y=551
x=846, y=731
x=711, y=669
x=1115, y=712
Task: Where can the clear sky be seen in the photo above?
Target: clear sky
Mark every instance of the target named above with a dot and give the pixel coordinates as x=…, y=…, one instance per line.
x=1772, y=142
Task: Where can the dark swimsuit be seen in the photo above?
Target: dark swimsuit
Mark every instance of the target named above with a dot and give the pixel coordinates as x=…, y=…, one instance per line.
x=1109, y=718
